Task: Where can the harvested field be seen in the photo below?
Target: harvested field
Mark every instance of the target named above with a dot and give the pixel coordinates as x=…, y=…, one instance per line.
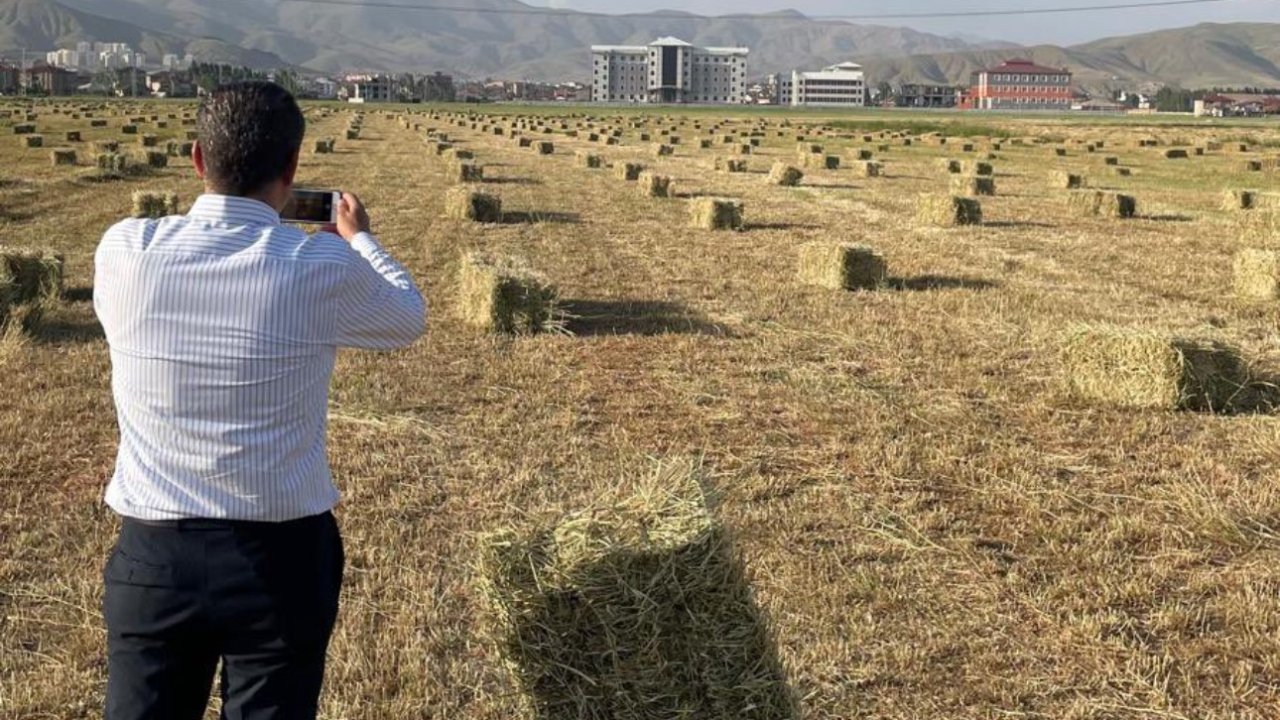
x=932, y=522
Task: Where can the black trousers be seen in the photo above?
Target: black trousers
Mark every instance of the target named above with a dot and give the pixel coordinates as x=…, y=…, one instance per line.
x=182, y=596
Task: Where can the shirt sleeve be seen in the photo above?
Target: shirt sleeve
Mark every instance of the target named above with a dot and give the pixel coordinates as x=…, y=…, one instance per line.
x=379, y=307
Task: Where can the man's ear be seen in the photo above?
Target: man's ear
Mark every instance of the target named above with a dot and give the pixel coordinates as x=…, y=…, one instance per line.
x=291, y=170
x=197, y=159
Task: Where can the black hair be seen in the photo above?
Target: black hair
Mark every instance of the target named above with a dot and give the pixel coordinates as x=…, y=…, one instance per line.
x=249, y=132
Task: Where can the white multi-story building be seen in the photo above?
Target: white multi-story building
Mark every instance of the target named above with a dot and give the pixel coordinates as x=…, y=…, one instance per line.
x=64, y=58
x=371, y=88
x=843, y=85
x=668, y=70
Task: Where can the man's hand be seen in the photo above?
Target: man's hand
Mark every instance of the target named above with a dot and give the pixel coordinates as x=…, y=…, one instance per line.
x=353, y=219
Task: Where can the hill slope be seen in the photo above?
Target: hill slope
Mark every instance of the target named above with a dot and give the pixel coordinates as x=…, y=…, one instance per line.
x=1206, y=55
x=41, y=25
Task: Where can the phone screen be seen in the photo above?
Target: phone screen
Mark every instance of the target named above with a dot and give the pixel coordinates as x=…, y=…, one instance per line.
x=310, y=206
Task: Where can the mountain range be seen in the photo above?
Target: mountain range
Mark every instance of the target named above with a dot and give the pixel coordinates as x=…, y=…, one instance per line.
x=508, y=40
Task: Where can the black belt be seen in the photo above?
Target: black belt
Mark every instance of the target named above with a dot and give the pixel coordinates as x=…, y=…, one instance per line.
x=221, y=524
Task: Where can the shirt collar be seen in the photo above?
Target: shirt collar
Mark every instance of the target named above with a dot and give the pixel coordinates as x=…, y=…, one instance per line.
x=233, y=210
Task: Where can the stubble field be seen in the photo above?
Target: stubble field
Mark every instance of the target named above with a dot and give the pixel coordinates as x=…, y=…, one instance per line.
x=933, y=525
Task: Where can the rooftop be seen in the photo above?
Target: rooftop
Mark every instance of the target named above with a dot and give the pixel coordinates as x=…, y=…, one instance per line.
x=1018, y=65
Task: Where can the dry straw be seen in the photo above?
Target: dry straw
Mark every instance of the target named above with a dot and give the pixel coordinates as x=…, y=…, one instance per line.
x=785, y=175
x=154, y=204
x=505, y=295
x=949, y=211
x=716, y=214
x=1099, y=203
x=463, y=203
x=841, y=266
x=639, y=608
x=1140, y=369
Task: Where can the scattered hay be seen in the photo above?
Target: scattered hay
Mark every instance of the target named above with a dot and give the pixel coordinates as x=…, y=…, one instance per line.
x=841, y=266
x=1133, y=368
x=629, y=172
x=585, y=159
x=1065, y=180
x=638, y=608
x=716, y=214
x=973, y=185
x=505, y=295
x=154, y=204
x=949, y=211
x=463, y=203
x=785, y=175
x=1099, y=203
x=63, y=157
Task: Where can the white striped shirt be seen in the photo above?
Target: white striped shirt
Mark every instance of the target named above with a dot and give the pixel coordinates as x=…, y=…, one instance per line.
x=223, y=327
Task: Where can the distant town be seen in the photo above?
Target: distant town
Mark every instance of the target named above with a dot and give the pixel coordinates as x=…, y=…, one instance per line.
x=666, y=71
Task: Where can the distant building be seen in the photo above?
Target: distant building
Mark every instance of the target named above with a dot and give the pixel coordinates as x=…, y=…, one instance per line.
x=668, y=70
x=915, y=95
x=373, y=88
x=170, y=84
x=9, y=79
x=47, y=79
x=1237, y=105
x=1020, y=85
x=843, y=85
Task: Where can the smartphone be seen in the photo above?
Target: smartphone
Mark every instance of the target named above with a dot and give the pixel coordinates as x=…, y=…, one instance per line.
x=319, y=207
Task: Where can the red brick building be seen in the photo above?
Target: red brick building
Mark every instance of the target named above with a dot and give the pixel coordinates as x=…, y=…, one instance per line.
x=1019, y=85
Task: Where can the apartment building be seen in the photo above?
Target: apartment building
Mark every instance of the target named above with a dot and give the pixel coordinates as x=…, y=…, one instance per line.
x=668, y=70
x=842, y=85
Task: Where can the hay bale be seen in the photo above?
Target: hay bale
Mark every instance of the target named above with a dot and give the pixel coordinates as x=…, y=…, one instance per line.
x=639, y=608
x=24, y=129
x=820, y=162
x=661, y=150
x=29, y=276
x=841, y=266
x=467, y=172
x=147, y=141
x=949, y=211
x=1256, y=274
x=1065, y=180
x=33, y=141
x=972, y=185
x=323, y=147
x=463, y=203
x=585, y=159
x=863, y=155
x=1175, y=154
x=629, y=172
x=1139, y=369
x=155, y=159
x=654, y=185
x=73, y=136
x=544, y=147
x=353, y=133
x=871, y=169
x=716, y=214
x=982, y=169
x=154, y=204
x=1100, y=203
x=63, y=156
x=505, y=295
x=1240, y=200
x=730, y=165
x=785, y=175
x=1253, y=166
x=97, y=123
x=948, y=165
x=1111, y=160
x=1121, y=171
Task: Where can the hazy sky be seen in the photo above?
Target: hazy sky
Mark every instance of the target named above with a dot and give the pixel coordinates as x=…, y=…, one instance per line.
x=1058, y=29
